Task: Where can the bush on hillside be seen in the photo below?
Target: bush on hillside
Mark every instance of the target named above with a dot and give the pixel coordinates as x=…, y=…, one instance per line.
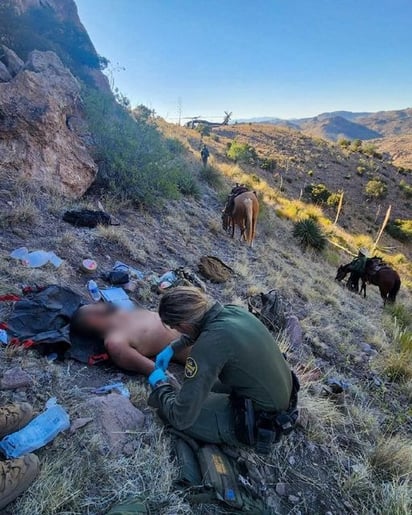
x=375, y=189
x=309, y=234
x=135, y=161
x=400, y=229
x=370, y=150
x=242, y=153
x=356, y=145
x=334, y=199
x=268, y=163
x=344, y=142
x=317, y=193
x=212, y=177
x=204, y=129
x=406, y=188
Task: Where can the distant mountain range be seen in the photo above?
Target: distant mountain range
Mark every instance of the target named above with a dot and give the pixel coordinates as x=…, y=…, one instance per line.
x=347, y=124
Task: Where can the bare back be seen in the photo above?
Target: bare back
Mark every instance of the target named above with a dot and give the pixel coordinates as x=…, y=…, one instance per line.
x=143, y=330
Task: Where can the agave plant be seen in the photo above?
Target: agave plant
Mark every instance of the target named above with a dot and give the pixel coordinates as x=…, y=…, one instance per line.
x=309, y=234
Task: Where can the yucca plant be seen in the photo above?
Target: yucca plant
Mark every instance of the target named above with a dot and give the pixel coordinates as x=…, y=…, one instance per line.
x=309, y=234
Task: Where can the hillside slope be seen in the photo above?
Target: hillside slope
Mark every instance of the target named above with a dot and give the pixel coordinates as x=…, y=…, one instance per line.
x=335, y=127
x=332, y=463
x=299, y=161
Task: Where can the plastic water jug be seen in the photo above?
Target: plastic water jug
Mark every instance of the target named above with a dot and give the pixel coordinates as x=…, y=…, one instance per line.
x=39, y=432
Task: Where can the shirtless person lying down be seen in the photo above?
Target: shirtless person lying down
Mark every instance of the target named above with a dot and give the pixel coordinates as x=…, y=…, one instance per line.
x=130, y=337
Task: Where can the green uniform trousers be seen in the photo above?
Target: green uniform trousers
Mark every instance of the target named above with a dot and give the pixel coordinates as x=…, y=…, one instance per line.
x=215, y=423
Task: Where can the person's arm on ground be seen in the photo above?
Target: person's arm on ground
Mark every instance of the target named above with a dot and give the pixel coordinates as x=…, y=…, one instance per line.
x=203, y=366
x=127, y=357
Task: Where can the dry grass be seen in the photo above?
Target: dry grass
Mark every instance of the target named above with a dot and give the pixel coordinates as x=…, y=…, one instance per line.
x=120, y=237
x=21, y=211
x=392, y=458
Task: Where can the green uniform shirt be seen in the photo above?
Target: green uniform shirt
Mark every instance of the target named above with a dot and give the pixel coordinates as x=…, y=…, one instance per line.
x=358, y=265
x=236, y=348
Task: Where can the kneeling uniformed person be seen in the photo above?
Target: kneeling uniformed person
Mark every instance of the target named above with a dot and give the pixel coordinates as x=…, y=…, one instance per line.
x=238, y=388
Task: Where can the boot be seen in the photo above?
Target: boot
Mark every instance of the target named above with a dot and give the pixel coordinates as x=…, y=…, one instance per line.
x=16, y=476
x=14, y=416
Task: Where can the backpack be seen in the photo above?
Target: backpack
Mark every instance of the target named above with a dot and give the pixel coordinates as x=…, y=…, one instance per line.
x=214, y=269
x=269, y=309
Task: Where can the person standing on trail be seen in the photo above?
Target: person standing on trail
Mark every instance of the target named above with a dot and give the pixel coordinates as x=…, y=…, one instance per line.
x=238, y=388
x=18, y=474
x=204, y=154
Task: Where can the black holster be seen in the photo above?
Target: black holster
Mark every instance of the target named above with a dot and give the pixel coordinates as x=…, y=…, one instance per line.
x=244, y=419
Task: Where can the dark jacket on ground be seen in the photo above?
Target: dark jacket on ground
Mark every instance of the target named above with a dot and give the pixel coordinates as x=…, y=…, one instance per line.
x=236, y=348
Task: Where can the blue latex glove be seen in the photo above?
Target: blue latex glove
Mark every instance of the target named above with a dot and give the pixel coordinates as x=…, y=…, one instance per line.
x=156, y=376
x=164, y=357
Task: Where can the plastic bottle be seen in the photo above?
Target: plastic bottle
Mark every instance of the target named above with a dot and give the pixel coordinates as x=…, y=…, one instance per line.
x=4, y=338
x=117, y=387
x=37, y=259
x=94, y=291
x=169, y=277
x=39, y=432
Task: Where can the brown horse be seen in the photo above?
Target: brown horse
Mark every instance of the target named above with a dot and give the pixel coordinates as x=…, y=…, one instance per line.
x=378, y=273
x=244, y=215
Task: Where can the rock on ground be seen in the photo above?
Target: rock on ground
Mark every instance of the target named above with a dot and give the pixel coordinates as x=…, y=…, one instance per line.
x=116, y=420
x=15, y=378
x=36, y=104
x=11, y=60
x=5, y=75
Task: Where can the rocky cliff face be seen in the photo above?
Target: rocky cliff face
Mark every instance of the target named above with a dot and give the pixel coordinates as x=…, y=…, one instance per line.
x=38, y=136
x=27, y=25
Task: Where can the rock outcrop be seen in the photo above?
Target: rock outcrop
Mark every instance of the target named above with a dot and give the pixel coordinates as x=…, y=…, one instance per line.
x=35, y=139
x=65, y=14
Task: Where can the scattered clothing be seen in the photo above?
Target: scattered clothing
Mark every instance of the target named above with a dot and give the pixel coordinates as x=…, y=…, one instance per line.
x=87, y=218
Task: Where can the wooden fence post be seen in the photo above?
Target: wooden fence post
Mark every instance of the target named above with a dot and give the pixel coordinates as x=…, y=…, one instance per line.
x=385, y=221
x=339, y=209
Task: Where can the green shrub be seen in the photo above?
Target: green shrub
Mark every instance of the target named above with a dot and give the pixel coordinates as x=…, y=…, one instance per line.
x=268, y=163
x=135, y=160
x=317, y=193
x=204, y=129
x=360, y=170
x=334, y=199
x=370, y=150
x=400, y=229
x=356, y=145
x=375, y=188
x=406, y=188
x=242, y=153
x=174, y=146
x=212, y=177
x=344, y=142
x=309, y=234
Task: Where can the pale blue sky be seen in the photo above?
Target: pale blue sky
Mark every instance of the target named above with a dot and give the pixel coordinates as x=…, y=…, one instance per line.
x=285, y=58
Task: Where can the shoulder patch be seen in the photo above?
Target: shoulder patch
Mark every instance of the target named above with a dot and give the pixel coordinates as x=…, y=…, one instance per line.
x=190, y=368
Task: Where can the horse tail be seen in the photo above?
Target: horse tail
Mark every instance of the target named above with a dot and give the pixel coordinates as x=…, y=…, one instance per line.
x=249, y=220
x=394, y=290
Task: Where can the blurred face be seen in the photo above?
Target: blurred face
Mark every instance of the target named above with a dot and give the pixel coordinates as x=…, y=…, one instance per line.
x=97, y=316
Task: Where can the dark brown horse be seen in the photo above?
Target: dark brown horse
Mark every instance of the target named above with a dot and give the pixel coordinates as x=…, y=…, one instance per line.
x=376, y=272
x=244, y=215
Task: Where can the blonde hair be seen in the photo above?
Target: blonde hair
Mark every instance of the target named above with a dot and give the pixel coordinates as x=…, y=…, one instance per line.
x=183, y=305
